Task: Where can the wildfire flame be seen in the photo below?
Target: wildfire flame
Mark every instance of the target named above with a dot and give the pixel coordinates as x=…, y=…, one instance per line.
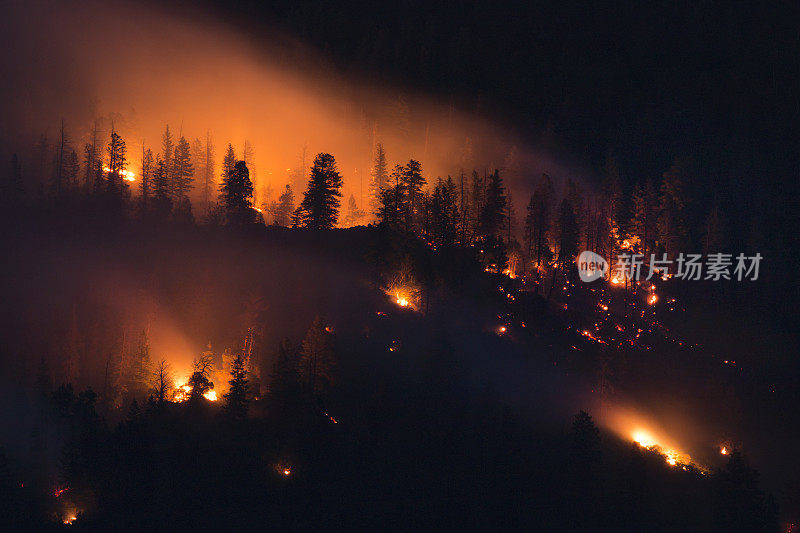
x=646, y=440
x=127, y=175
x=184, y=391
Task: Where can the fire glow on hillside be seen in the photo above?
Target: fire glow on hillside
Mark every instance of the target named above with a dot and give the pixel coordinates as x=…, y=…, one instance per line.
x=183, y=391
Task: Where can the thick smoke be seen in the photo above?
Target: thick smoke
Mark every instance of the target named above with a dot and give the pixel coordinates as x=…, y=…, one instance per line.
x=140, y=68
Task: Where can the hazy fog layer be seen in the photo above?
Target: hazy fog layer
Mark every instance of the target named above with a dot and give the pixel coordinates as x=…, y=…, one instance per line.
x=142, y=69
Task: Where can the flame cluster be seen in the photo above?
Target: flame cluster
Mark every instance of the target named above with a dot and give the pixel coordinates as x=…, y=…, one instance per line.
x=127, y=175
x=673, y=457
x=184, y=391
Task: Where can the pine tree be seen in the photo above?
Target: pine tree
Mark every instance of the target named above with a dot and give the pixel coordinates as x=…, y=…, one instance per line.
x=317, y=359
x=236, y=401
x=444, y=212
x=494, y=208
x=115, y=186
x=203, y=158
x=320, y=206
x=378, y=179
x=413, y=181
x=390, y=213
x=168, y=151
x=182, y=172
x=537, y=220
x=237, y=195
x=249, y=158
x=281, y=210
x=145, y=183
x=228, y=164
x=162, y=202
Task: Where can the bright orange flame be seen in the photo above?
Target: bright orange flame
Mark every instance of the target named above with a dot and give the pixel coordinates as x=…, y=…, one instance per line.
x=182, y=393
x=127, y=175
x=211, y=396
x=645, y=439
x=724, y=451
x=287, y=471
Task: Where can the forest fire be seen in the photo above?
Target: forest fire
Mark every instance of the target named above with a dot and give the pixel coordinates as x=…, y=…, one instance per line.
x=183, y=392
x=402, y=297
x=645, y=439
x=127, y=175
x=304, y=230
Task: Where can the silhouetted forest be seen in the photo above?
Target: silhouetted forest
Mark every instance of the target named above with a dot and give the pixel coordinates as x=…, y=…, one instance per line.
x=363, y=376
x=399, y=266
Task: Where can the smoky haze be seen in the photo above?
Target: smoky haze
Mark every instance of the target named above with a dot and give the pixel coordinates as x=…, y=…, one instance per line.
x=141, y=68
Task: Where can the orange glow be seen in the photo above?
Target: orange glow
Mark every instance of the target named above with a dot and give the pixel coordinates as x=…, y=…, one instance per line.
x=311, y=107
x=723, y=450
x=210, y=396
x=182, y=392
x=647, y=440
x=127, y=175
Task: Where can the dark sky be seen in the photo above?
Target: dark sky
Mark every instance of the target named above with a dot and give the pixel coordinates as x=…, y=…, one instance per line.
x=715, y=81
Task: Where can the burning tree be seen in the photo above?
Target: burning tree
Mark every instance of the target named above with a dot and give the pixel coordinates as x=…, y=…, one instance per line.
x=403, y=287
x=200, y=382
